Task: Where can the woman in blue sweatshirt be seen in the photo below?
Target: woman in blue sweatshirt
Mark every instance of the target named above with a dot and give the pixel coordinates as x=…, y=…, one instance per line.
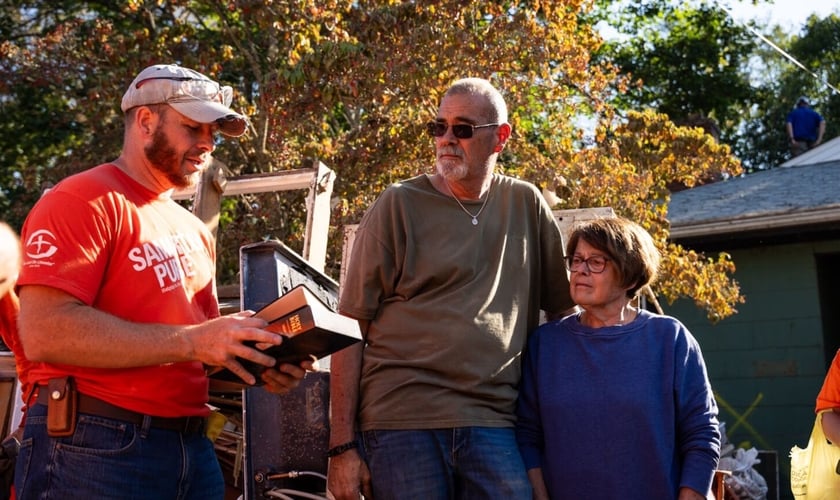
x=615, y=401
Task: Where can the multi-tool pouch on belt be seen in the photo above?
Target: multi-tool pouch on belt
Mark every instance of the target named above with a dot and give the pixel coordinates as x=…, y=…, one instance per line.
x=61, y=406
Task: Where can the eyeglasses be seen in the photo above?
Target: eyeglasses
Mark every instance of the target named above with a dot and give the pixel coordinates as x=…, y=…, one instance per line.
x=461, y=131
x=595, y=264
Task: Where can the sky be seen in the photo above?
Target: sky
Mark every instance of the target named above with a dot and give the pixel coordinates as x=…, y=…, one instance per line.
x=789, y=14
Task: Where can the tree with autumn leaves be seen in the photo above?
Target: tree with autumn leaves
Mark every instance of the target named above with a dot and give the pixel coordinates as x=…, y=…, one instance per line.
x=351, y=84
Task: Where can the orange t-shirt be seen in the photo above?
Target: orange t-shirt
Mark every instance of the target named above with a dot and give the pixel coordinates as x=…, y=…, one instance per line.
x=829, y=396
x=133, y=253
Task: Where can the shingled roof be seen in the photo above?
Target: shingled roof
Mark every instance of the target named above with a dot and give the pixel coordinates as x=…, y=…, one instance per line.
x=800, y=196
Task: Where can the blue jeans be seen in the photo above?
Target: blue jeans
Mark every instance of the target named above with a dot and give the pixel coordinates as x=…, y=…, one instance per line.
x=111, y=459
x=464, y=463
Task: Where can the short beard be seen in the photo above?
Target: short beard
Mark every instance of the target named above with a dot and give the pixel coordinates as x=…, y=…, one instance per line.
x=164, y=159
x=452, y=172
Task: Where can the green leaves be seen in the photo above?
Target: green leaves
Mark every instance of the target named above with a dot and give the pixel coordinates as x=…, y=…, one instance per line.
x=351, y=84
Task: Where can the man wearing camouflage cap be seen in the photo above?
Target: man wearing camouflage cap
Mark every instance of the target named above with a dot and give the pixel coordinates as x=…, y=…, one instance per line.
x=119, y=310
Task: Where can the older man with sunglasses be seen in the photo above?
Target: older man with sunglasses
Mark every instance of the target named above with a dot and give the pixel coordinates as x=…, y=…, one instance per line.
x=447, y=276
x=118, y=307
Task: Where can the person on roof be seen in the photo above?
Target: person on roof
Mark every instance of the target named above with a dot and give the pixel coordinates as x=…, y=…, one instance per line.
x=805, y=127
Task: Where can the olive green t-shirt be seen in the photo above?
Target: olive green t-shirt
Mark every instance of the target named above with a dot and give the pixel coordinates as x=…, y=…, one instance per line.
x=450, y=303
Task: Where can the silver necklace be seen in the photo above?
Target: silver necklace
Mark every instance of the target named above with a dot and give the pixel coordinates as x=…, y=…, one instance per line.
x=474, y=217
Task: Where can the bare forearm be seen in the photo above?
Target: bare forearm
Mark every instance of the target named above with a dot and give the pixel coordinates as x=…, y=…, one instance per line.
x=538, y=484
x=831, y=426
x=345, y=373
x=55, y=330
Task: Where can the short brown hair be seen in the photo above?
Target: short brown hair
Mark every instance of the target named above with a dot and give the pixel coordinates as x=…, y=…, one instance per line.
x=626, y=243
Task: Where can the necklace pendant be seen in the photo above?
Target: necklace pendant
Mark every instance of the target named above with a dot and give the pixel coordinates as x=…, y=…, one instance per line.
x=473, y=217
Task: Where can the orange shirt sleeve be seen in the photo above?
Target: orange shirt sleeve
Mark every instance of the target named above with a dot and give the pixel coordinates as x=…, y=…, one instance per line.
x=9, y=308
x=829, y=396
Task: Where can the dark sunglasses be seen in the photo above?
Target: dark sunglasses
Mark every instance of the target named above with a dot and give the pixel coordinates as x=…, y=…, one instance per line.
x=461, y=131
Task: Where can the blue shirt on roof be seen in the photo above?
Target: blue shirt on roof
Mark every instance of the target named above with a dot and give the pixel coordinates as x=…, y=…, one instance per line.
x=805, y=122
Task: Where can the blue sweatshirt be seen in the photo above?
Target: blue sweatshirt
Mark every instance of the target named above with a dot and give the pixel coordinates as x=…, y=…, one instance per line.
x=618, y=412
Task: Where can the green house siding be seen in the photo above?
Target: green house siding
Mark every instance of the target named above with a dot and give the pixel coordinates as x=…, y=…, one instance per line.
x=767, y=362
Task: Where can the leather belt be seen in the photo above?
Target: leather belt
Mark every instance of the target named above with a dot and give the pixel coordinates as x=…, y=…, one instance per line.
x=97, y=407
